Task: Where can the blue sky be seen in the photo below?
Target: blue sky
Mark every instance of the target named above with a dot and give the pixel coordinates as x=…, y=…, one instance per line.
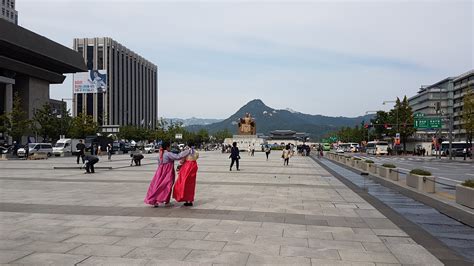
x=319, y=57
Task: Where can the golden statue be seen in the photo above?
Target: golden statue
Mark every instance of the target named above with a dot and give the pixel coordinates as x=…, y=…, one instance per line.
x=247, y=125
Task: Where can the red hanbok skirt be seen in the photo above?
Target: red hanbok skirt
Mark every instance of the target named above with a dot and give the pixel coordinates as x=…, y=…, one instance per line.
x=185, y=186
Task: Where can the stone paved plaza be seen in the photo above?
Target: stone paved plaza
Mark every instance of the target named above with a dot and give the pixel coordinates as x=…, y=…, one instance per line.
x=264, y=214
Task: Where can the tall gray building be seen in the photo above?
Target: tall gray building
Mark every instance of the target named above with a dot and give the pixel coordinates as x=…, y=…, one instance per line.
x=129, y=91
x=8, y=11
x=461, y=84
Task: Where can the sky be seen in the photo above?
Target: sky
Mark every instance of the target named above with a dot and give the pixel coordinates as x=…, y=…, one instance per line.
x=335, y=58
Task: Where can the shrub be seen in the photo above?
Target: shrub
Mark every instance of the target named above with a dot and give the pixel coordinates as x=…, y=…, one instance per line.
x=389, y=165
x=357, y=159
x=420, y=172
x=468, y=183
x=369, y=161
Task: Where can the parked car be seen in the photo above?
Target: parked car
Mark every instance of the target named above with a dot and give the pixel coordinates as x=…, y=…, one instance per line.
x=35, y=148
x=149, y=148
x=65, y=147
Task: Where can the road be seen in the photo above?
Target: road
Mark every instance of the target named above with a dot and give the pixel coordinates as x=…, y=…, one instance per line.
x=450, y=172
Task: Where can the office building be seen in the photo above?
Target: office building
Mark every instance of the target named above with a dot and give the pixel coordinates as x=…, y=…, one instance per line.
x=461, y=85
x=29, y=63
x=121, y=87
x=8, y=11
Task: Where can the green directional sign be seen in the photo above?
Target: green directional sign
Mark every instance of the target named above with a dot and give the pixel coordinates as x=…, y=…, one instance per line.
x=418, y=115
x=428, y=123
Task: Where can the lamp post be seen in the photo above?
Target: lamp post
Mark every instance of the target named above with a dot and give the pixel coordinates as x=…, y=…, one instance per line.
x=368, y=129
x=398, y=126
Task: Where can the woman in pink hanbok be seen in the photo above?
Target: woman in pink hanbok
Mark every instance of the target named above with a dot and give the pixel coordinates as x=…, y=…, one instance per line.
x=162, y=183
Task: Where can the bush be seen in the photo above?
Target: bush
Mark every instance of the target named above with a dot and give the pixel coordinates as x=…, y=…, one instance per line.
x=420, y=172
x=357, y=159
x=389, y=165
x=369, y=161
x=468, y=183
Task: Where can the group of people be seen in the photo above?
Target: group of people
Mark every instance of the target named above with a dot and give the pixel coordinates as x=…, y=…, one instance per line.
x=163, y=185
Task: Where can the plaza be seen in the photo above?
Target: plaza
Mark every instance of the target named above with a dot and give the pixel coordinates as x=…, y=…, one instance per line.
x=264, y=214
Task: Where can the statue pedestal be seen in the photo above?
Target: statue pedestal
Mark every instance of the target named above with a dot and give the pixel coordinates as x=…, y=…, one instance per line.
x=244, y=141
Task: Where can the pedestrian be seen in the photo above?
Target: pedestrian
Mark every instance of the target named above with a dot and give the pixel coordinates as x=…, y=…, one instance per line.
x=109, y=152
x=253, y=150
x=464, y=153
x=286, y=154
x=159, y=191
x=90, y=160
x=234, y=156
x=185, y=186
x=267, y=151
x=99, y=150
x=136, y=158
x=80, y=151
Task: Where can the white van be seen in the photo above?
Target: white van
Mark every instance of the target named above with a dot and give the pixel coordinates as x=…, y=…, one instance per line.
x=377, y=147
x=33, y=148
x=65, y=147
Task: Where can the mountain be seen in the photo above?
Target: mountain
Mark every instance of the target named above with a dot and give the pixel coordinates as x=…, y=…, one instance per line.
x=268, y=119
x=193, y=121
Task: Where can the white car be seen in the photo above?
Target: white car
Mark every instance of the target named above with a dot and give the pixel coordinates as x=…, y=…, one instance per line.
x=33, y=148
x=149, y=148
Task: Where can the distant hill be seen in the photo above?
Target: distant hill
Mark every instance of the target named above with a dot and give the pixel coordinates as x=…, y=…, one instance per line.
x=268, y=119
x=193, y=121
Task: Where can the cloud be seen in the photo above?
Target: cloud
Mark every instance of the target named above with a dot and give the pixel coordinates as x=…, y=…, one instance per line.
x=310, y=56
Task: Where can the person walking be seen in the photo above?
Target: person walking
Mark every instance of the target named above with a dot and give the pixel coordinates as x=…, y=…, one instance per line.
x=464, y=153
x=80, y=150
x=90, y=161
x=267, y=151
x=109, y=152
x=234, y=156
x=185, y=186
x=159, y=191
x=286, y=155
x=252, y=150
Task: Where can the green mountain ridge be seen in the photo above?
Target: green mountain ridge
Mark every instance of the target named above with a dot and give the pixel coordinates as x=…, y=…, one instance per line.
x=268, y=119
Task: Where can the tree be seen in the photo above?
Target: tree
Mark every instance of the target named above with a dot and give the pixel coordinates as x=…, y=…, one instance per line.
x=468, y=115
x=221, y=135
x=45, y=123
x=16, y=121
x=403, y=111
x=128, y=132
x=83, y=125
x=379, y=121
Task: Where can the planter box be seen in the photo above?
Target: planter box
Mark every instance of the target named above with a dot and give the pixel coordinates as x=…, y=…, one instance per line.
x=348, y=161
x=372, y=168
x=465, y=196
x=363, y=166
x=389, y=173
x=421, y=183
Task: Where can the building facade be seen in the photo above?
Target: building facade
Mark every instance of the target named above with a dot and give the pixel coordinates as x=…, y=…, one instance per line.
x=130, y=96
x=8, y=11
x=461, y=85
x=29, y=63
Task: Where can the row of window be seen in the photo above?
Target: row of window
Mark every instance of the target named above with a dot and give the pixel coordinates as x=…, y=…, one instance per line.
x=8, y=14
x=464, y=80
x=8, y=3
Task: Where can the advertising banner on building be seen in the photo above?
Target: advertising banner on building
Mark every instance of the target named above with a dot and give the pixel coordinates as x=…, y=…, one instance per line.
x=93, y=81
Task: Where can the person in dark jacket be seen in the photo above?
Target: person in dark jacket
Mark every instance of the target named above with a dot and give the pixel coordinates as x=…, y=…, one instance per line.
x=234, y=156
x=80, y=148
x=137, y=159
x=90, y=161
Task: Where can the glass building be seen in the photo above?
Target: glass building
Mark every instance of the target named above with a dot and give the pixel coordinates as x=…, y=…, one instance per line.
x=130, y=96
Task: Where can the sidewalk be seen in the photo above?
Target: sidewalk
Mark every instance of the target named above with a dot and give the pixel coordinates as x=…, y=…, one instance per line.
x=264, y=214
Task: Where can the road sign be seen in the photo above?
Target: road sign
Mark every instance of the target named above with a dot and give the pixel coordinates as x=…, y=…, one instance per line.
x=418, y=115
x=428, y=123
x=178, y=136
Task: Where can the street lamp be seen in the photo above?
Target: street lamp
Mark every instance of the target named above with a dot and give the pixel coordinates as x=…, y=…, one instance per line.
x=368, y=129
x=396, y=114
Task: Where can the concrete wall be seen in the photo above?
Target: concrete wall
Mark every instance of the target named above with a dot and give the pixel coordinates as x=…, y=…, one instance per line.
x=34, y=93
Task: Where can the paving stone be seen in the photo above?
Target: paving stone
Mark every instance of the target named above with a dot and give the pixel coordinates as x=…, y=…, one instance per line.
x=7, y=256
x=92, y=239
x=260, y=231
x=355, y=255
x=10, y=244
x=217, y=257
x=289, y=251
x=271, y=250
x=413, y=254
x=51, y=259
x=390, y=232
x=102, y=250
x=307, y=234
x=198, y=244
x=89, y=231
x=335, y=244
x=182, y=235
x=158, y=253
x=320, y=262
x=145, y=242
x=356, y=237
x=277, y=260
x=283, y=241
x=84, y=223
x=134, y=232
x=112, y=261
x=49, y=247
x=231, y=237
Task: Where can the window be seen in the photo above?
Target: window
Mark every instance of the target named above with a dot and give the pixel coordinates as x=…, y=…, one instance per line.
x=79, y=104
x=90, y=104
x=3, y=2
x=90, y=57
x=100, y=57
x=80, y=50
x=12, y=4
x=3, y=11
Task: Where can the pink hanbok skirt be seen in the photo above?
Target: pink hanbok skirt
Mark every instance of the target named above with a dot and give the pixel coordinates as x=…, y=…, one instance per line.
x=161, y=185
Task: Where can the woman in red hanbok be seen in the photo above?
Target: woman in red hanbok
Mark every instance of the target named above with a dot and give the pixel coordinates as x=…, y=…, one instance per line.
x=161, y=185
x=186, y=183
